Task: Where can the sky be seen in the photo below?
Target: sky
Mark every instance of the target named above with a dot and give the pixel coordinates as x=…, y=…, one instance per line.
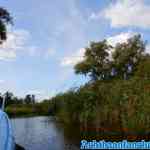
x=49, y=36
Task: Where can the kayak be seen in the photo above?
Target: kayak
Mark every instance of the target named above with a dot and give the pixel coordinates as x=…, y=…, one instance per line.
x=7, y=141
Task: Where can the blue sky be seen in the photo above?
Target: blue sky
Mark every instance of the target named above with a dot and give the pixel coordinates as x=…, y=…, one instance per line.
x=48, y=38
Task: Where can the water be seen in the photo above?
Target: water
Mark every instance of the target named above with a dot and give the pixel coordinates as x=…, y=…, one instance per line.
x=41, y=133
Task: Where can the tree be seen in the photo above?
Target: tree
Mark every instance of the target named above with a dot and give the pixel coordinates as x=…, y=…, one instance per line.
x=17, y=100
x=125, y=57
x=143, y=69
x=28, y=99
x=96, y=62
x=8, y=98
x=5, y=19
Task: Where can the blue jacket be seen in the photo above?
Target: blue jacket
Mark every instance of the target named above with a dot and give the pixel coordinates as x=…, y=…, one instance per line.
x=6, y=135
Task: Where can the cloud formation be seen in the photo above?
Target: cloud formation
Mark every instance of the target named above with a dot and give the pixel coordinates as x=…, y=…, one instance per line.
x=128, y=13
x=73, y=59
x=15, y=42
x=120, y=38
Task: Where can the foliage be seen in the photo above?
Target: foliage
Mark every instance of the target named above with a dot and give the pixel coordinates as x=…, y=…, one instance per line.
x=16, y=110
x=96, y=62
x=110, y=103
x=101, y=64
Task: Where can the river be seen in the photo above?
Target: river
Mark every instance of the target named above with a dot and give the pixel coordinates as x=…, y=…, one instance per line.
x=41, y=133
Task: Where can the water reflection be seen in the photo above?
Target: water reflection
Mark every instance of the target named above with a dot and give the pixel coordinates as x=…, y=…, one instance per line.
x=41, y=133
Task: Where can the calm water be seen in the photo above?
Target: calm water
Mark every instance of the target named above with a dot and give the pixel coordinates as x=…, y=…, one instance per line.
x=41, y=133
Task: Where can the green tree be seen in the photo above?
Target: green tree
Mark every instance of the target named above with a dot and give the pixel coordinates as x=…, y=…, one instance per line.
x=143, y=69
x=99, y=65
x=8, y=98
x=28, y=99
x=126, y=56
x=96, y=63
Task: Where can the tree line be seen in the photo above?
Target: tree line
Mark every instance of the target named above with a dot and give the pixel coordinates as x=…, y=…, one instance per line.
x=11, y=99
x=117, y=96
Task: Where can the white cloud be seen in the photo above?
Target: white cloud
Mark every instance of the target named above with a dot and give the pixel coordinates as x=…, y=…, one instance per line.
x=128, y=13
x=120, y=38
x=73, y=59
x=7, y=55
x=15, y=42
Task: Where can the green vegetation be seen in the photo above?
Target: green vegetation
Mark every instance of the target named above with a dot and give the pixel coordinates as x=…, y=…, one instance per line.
x=117, y=98
x=22, y=107
x=25, y=110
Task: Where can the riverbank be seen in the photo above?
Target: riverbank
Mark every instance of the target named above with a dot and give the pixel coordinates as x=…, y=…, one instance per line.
x=24, y=110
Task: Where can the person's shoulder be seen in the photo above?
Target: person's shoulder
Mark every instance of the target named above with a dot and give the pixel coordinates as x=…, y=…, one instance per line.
x=2, y=113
